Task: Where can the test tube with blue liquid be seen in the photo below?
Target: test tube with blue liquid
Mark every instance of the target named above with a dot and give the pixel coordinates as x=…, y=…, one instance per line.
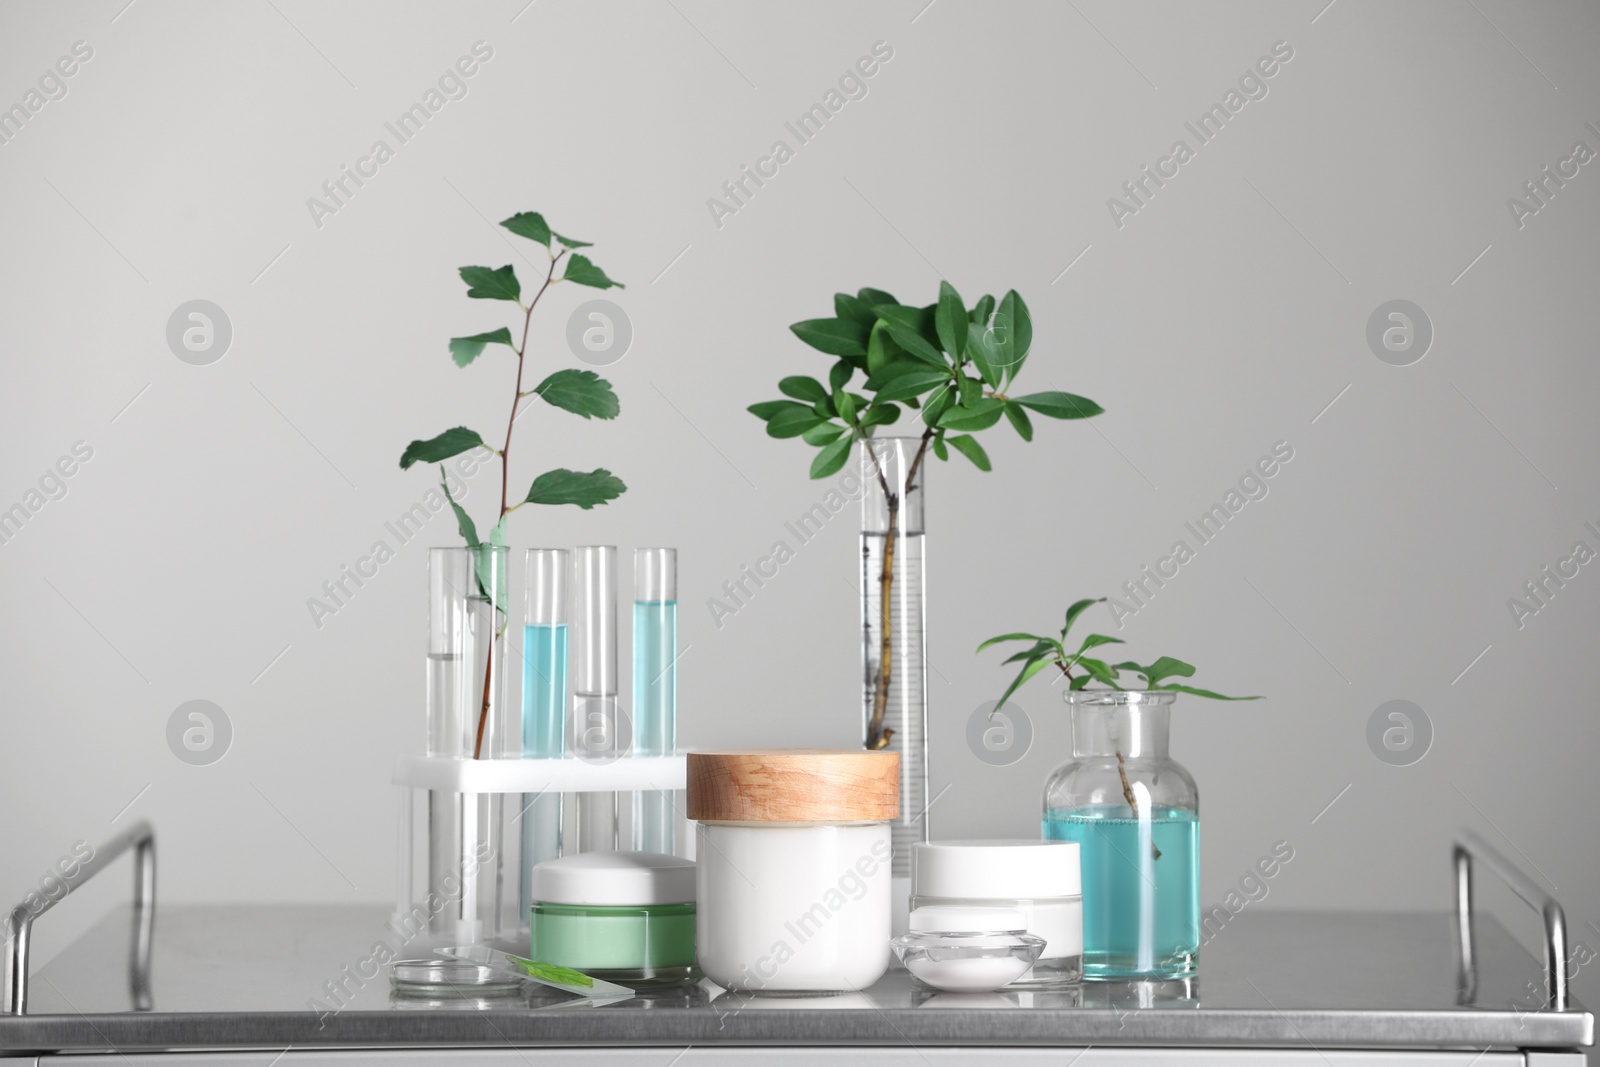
x=655, y=689
x=544, y=702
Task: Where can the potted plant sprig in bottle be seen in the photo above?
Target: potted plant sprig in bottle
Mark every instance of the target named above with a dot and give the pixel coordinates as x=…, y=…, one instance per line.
x=955, y=370
x=1133, y=810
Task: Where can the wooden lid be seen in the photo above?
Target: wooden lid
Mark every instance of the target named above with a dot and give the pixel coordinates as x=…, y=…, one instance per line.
x=794, y=785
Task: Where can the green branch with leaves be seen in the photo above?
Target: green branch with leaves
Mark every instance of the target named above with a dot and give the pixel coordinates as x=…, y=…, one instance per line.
x=581, y=392
x=955, y=367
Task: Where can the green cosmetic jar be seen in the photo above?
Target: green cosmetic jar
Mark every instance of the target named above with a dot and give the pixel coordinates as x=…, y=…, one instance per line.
x=625, y=917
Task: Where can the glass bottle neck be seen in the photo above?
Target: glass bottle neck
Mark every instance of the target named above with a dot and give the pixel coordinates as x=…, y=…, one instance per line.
x=1133, y=731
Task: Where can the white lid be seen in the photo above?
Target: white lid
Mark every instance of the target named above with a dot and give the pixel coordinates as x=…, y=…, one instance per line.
x=996, y=870
x=967, y=919
x=614, y=878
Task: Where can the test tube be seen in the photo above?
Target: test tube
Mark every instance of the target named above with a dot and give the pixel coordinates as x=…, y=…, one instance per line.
x=544, y=703
x=594, y=708
x=655, y=689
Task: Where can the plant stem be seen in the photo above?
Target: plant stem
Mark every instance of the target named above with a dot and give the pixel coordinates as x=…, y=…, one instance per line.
x=505, y=452
x=1122, y=772
x=877, y=736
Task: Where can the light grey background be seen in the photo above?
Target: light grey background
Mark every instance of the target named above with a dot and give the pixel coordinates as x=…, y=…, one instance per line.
x=1227, y=315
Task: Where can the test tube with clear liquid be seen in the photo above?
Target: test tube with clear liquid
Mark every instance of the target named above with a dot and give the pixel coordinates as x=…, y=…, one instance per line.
x=655, y=689
x=595, y=710
x=544, y=703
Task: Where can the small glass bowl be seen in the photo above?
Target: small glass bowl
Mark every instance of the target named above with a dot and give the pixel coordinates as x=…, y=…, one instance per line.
x=968, y=962
x=447, y=978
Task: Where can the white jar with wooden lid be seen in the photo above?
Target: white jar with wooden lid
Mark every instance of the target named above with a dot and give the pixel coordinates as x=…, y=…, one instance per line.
x=792, y=878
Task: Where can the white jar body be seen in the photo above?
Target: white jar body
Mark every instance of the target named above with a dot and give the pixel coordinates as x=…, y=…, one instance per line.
x=793, y=907
x=1059, y=920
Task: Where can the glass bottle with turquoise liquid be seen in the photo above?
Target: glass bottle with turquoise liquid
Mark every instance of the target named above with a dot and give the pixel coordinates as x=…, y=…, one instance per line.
x=1135, y=814
x=655, y=689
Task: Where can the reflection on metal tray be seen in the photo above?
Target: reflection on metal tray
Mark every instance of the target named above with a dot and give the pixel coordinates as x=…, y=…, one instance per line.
x=254, y=976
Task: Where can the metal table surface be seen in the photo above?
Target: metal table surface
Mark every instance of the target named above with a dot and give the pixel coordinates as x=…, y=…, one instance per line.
x=247, y=977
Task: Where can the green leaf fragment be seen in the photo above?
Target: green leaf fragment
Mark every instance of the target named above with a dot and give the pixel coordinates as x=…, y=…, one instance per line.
x=803, y=388
x=529, y=224
x=951, y=320
x=793, y=422
x=1058, y=405
x=452, y=442
x=831, y=458
x=583, y=272
x=484, y=283
x=837, y=337
x=582, y=392
x=585, y=489
x=1019, y=421
x=466, y=349
x=968, y=446
x=1078, y=609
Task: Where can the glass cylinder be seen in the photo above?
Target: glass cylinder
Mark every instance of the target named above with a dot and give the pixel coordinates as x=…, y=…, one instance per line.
x=595, y=719
x=894, y=669
x=1135, y=814
x=470, y=716
x=655, y=689
x=544, y=702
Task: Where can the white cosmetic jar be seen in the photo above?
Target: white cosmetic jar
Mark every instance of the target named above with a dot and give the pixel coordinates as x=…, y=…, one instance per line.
x=793, y=855
x=1039, y=878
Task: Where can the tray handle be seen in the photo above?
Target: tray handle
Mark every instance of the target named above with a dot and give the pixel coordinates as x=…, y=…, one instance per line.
x=140, y=837
x=1470, y=849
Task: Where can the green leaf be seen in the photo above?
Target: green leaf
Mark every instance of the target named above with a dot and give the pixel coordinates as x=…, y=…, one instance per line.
x=840, y=375
x=837, y=337
x=1174, y=687
x=571, y=242
x=942, y=400
x=827, y=433
x=1167, y=667
x=1020, y=421
x=971, y=390
x=529, y=224
x=466, y=349
x=768, y=408
x=792, y=422
x=450, y=443
x=1013, y=333
x=968, y=446
x=854, y=308
x=1096, y=640
x=1099, y=669
x=981, y=349
x=582, y=392
x=981, y=311
x=583, y=272
x=951, y=320
x=1059, y=405
x=486, y=284
x=1027, y=672
x=907, y=384
x=803, y=388
x=978, y=416
x=549, y=972
x=825, y=408
x=1041, y=647
x=873, y=297
x=905, y=326
x=469, y=532
x=1080, y=682
x=831, y=458
x=880, y=414
x=1009, y=637
x=881, y=348
x=1078, y=609
x=845, y=403
x=940, y=450
x=583, y=488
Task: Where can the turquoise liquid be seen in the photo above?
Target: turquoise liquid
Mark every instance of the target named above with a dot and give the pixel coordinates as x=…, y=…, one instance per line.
x=544, y=691
x=655, y=715
x=544, y=724
x=1141, y=914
